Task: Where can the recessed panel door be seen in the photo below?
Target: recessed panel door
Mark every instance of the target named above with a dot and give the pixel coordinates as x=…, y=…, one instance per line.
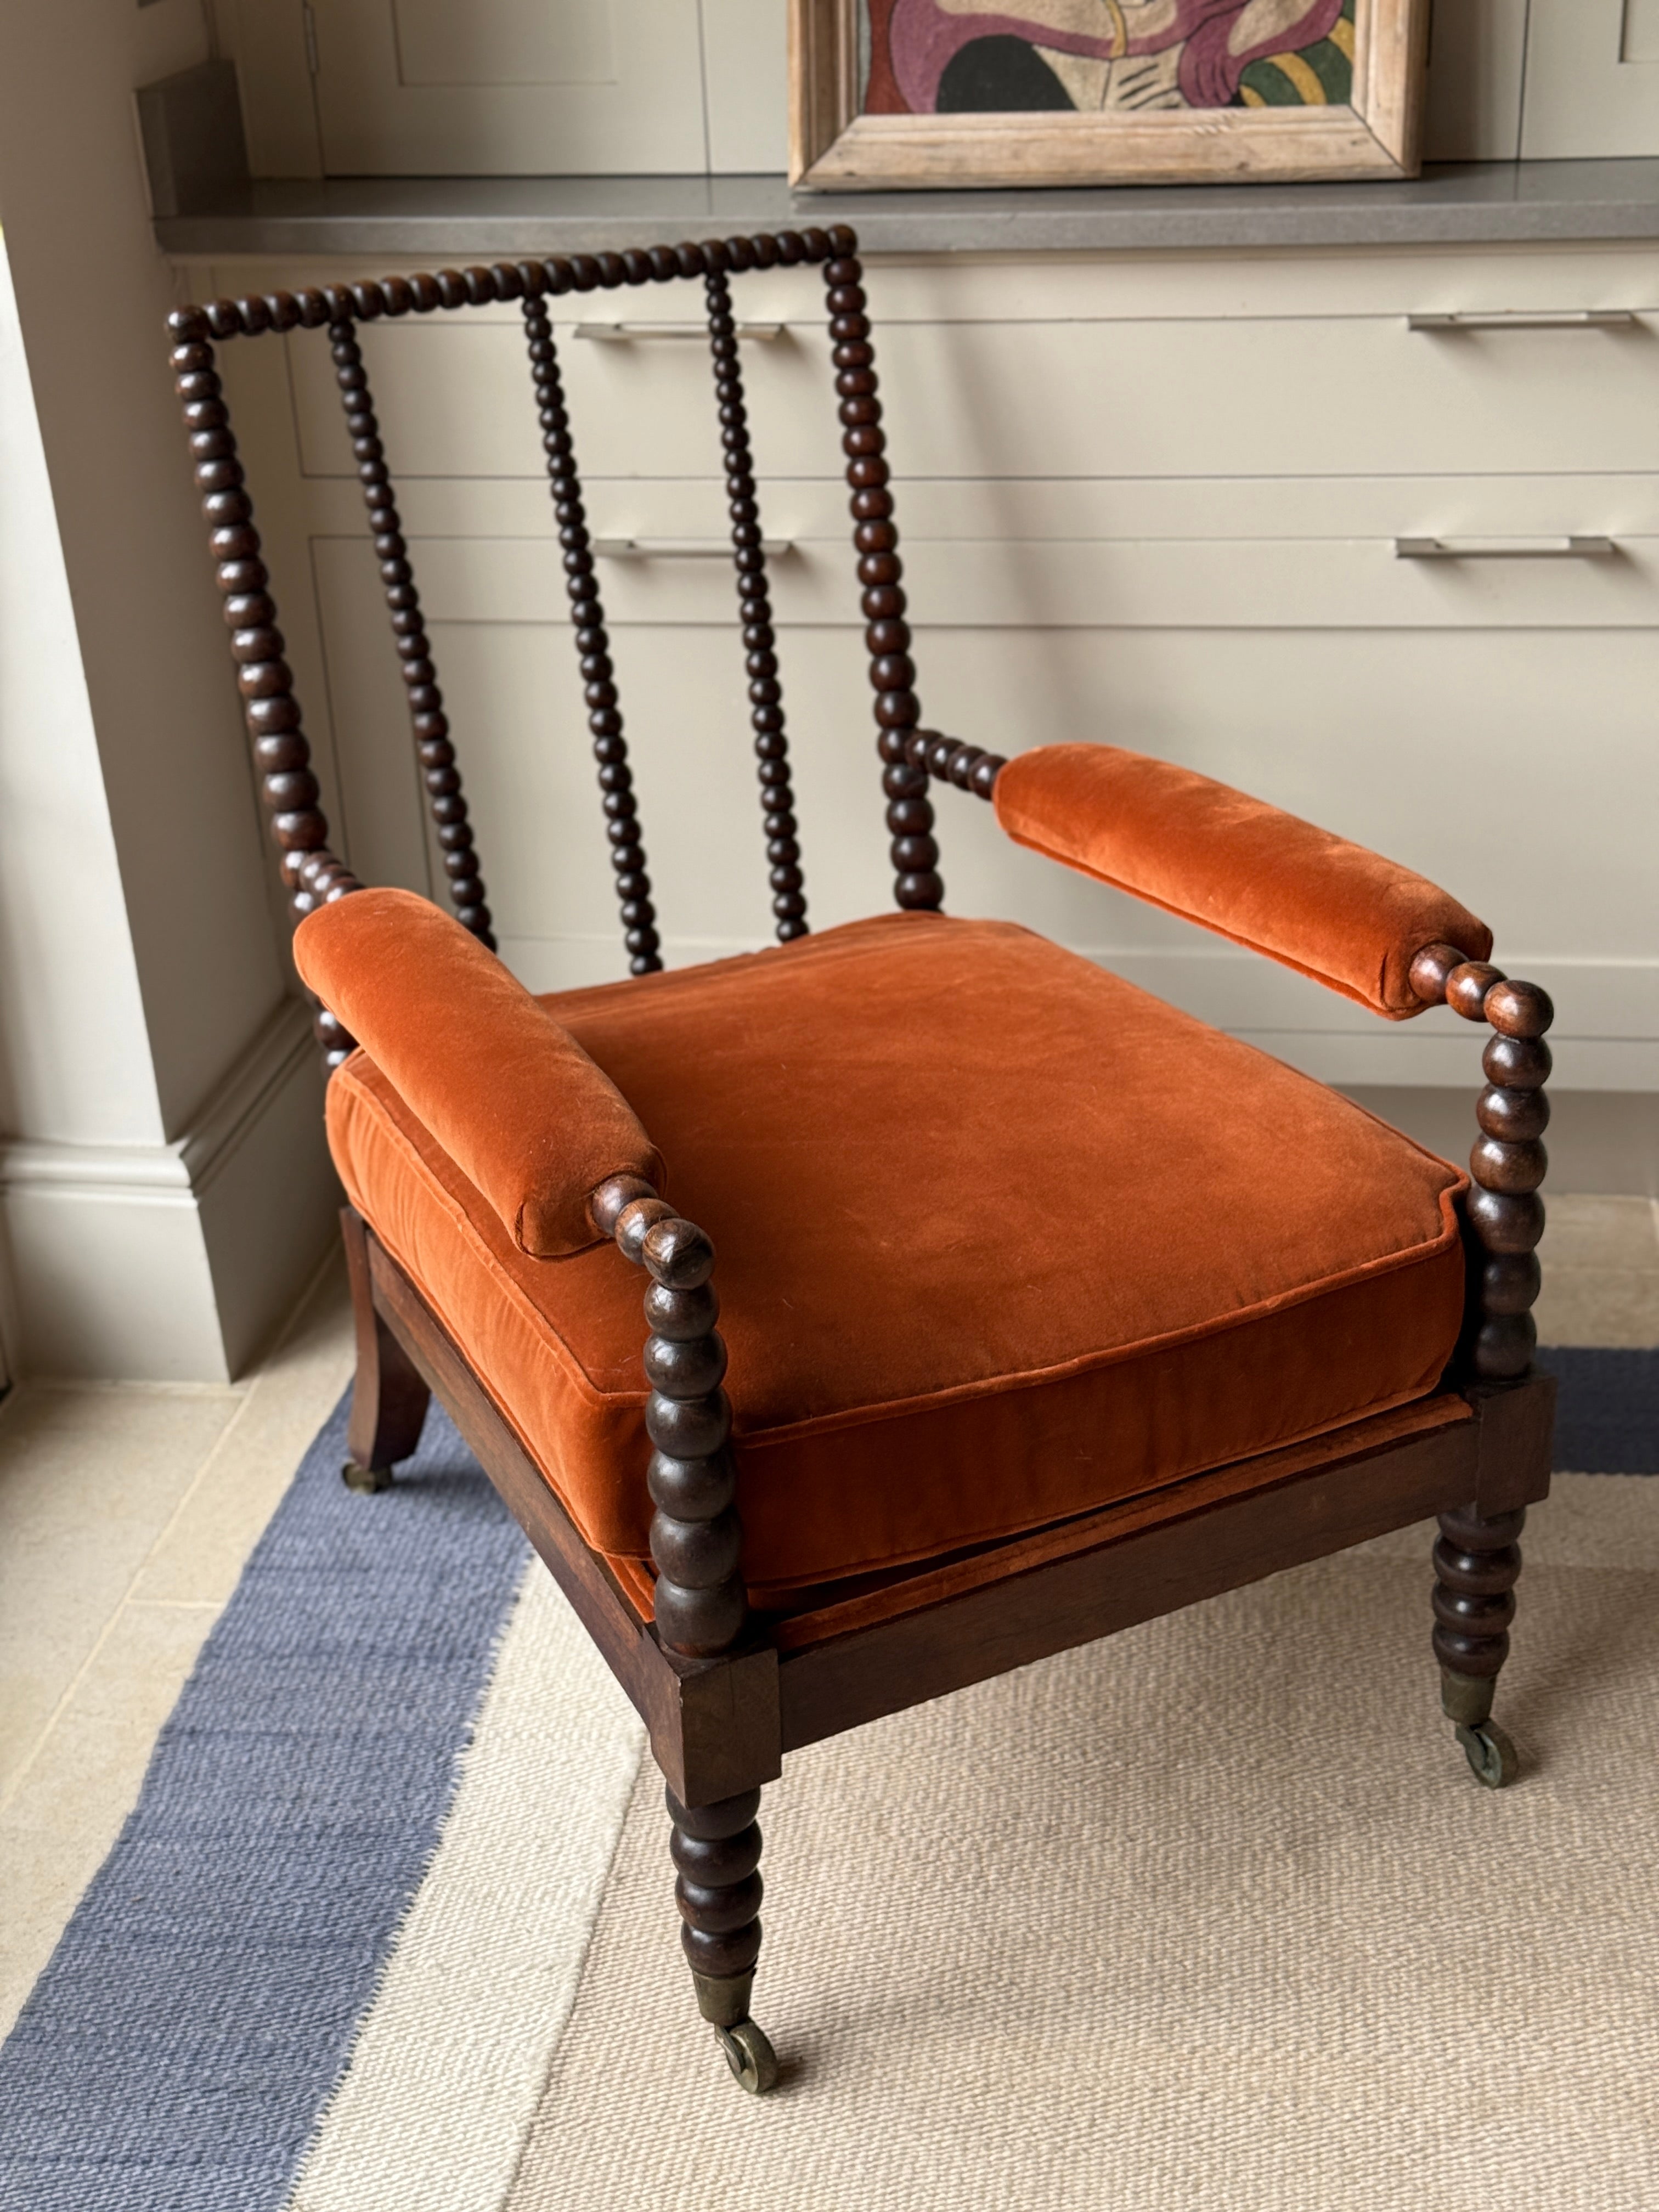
x=510, y=88
x=1592, y=80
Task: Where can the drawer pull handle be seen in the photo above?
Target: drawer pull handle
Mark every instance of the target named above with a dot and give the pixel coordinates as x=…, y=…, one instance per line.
x=627, y=333
x=1503, y=549
x=680, y=549
x=1522, y=319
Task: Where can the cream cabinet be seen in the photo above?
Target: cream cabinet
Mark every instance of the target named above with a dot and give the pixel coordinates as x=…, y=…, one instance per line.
x=510, y=88
x=1376, y=536
x=1542, y=80
x=1592, y=79
x=579, y=88
x=423, y=87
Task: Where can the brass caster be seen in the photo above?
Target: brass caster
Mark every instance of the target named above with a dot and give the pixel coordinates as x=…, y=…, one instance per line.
x=1492, y=1756
x=753, y=2062
x=365, y=1479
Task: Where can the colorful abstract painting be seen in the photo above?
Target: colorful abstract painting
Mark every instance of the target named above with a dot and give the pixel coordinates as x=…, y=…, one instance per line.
x=1103, y=57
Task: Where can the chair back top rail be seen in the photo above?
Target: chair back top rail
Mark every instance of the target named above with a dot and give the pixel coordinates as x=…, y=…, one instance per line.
x=910, y=757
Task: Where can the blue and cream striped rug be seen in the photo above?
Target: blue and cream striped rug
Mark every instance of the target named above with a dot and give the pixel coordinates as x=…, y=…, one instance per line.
x=358, y=1881
x=400, y=1817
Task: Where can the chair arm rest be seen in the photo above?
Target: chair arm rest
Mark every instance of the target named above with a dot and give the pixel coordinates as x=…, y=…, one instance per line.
x=1331, y=911
x=510, y=1095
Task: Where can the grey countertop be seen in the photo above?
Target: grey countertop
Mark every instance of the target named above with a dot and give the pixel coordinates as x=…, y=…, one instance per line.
x=1477, y=204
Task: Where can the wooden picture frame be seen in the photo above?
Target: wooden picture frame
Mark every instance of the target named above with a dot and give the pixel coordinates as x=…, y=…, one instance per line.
x=837, y=59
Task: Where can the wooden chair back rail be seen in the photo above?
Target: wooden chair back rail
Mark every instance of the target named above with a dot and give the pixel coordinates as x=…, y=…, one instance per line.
x=970, y=768
x=289, y=788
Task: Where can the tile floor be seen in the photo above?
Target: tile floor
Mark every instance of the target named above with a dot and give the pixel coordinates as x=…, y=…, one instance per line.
x=126, y=1511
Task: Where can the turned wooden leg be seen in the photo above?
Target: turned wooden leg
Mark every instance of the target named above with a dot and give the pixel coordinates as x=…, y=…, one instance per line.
x=1475, y=1564
x=717, y=1848
x=389, y=1396
x=700, y=1603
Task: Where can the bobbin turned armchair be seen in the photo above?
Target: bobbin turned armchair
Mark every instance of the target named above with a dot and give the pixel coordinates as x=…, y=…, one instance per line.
x=1050, y=1310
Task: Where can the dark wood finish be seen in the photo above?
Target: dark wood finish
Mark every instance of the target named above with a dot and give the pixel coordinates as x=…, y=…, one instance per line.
x=389, y=1393
x=1508, y=1163
x=604, y=720
x=1514, y=1114
x=716, y=1851
x=1183, y=1543
x=1476, y=1562
x=970, y=768
x=1153, y=1554
x=1430, y=970
x=917, y=884
x=696, y=1546
x=1467, y=987
x=697, y=1539
x=1477, y=1559
x=1518, y=1063
x=713, y=1726
x=718, y=1726
x=287, y=786
x=1517, y=1431
x=785, y=878
x=429, y=723
x=724, y=1692
x=1518, y=1010
x=312, y=872
x=1504, y=1214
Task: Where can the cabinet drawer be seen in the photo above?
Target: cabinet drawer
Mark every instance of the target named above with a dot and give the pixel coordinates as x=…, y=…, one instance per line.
x=1246, y=396
x=1273, y=583
x=1015, y=509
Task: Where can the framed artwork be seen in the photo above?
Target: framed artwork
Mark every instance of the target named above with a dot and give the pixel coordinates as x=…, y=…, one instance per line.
x=889, y=93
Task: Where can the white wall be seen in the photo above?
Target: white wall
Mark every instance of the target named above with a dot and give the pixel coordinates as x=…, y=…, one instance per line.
x=147, y=1031
x=63, y=935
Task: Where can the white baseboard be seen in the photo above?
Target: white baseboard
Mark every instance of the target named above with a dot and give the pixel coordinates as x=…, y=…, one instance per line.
x=174, y=1263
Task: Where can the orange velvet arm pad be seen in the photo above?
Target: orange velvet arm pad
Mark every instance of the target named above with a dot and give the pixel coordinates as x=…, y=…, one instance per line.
x=510, y=1095
x=1213, y=855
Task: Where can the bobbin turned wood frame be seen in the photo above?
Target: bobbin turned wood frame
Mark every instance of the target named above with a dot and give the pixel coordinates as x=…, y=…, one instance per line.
x=725, y=1693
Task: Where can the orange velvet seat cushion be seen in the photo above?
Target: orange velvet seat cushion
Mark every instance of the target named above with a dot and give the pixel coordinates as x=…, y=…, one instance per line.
x=1000, y=1239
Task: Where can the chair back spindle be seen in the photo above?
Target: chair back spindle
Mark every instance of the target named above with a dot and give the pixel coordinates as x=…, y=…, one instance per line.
x=755, y=607
x=914, y=854
x=288, y=789
x=604, y=721
x=429, y=723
